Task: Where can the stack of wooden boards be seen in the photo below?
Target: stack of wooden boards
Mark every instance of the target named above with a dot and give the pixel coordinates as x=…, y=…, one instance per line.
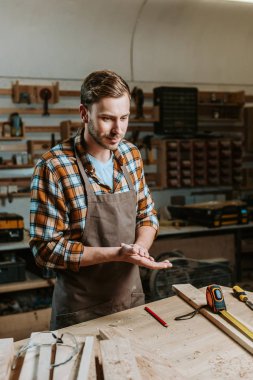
x=116, y=360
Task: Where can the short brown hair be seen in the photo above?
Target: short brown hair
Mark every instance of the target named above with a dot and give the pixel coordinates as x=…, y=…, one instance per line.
x=102, y=84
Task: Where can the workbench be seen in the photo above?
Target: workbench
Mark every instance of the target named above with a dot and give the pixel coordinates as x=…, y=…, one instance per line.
x=199, y=242
x=194, y=241
x=187, y=349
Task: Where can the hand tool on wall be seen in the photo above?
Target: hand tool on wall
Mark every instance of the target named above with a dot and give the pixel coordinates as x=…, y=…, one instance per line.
x=36, y=94
x=240, y=294
x=138, y=97
x=147, y=142
x=45, y=94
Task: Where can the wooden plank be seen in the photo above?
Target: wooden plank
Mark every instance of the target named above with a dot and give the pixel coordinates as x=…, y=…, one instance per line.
x=13, y=148
x=15, y=195
x=28, y=370
x=36, y=364
x=140, y=128
x=43, y=370
x=118, y=360
x=147, y=95
x=39, y=111
x=37, y=360
x=22, y=182
x=6, y=357
x=5, y=91
x=63, y=372
x=67, y=111
x=69, y=93
x=152, y=367
x=56, y=128
x=42, y=129
x=196, y=298
x=86, y=359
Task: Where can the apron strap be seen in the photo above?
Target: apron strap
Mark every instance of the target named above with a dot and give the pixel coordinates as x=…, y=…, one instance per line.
x=127, y=177
x=89, y=190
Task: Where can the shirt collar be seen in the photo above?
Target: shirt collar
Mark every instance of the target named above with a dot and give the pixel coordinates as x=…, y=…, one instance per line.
x=80, y=145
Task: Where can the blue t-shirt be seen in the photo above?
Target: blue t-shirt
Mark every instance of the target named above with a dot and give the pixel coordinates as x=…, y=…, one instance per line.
x=104, y=170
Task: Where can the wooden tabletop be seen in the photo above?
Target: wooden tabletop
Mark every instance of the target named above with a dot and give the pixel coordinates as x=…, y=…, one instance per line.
x=187, y=349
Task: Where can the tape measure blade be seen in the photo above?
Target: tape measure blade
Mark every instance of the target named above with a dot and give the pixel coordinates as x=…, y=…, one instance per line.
x=239, y=325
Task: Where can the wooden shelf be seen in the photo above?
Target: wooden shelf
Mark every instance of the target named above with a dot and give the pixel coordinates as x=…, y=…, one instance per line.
x=21, y=166
x=149, y=110
x=20, y=181
x=220, y=122
x=220, y=129
x=12, y=138
x=42, y=129
x=5, y=91
x=236, y=105
x=67, y=93
x=32, y=282
x=39, y=111
x=15, y=195
x=143, y=120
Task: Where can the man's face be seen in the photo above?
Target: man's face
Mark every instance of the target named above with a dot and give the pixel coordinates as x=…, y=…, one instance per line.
x=108, y=121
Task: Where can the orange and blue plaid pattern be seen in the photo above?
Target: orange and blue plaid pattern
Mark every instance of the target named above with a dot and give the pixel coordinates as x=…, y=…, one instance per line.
x=58, y=200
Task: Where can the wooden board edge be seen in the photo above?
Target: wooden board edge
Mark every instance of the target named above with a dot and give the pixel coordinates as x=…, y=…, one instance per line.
x=196, y=298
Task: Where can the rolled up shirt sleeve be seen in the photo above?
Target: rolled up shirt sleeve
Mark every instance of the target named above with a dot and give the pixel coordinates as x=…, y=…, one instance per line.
x=50, y=241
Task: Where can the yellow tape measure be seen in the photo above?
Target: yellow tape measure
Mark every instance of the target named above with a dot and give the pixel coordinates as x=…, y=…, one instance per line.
x=239, y=325
x=215, y=301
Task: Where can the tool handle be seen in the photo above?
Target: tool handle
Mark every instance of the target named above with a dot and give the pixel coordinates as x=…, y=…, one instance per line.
x=240, y=293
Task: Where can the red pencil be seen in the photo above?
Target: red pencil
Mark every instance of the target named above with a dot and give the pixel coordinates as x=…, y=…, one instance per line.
x=156, y=316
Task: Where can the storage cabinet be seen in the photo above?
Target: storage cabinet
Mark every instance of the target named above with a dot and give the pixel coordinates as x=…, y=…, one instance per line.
x=20, y=325
x=197, y=162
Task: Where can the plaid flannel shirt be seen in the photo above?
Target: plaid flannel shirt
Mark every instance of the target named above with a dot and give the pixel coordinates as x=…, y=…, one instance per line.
x=58, y=200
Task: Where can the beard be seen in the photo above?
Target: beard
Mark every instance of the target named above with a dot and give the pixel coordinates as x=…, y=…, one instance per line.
x=102, y=139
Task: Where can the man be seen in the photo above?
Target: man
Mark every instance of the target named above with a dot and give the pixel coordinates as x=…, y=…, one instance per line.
x=92, y=216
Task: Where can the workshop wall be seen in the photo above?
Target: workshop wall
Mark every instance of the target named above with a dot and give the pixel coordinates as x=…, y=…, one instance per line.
x=176, y=41
x=149, y=42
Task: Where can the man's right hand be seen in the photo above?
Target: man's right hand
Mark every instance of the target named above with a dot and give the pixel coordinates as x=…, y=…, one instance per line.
x=134, y=254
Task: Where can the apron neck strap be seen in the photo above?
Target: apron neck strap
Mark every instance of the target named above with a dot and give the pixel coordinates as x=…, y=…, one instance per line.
x=88, y=186
x=127, y=177
x=89, y=190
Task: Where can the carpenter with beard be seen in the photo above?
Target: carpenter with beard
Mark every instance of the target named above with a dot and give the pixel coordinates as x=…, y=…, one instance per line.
x=92, y=218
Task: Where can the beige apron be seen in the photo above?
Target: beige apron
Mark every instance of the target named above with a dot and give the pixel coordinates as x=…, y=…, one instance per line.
x=107, y=288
